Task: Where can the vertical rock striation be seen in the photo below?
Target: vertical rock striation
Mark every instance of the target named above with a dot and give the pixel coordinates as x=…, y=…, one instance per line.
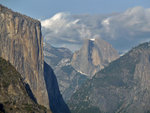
x=94, y=55
x=21, y=44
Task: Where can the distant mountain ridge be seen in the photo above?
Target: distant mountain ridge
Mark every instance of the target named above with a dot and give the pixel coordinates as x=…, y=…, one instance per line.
x=73, y=69
x=54, y=55
x=68, y=78
x=121, y=87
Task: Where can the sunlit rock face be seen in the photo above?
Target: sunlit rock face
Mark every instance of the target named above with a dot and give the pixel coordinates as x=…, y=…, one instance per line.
x=94, y=55
x=21, y=44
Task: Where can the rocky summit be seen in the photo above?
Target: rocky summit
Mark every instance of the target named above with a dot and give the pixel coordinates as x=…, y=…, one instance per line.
x=72, y=70
x=16, y=95
x=94, y=55
x=122, y=87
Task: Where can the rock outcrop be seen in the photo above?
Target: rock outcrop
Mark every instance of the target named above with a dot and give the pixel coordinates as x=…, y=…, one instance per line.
x=72, y=70
x=68, y=78
x=53, y=56
x=94, y=55
x=21, y=44
x=121, y=87
x=15, y=94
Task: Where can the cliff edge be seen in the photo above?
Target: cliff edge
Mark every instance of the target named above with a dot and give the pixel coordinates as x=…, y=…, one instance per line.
x=21, y=43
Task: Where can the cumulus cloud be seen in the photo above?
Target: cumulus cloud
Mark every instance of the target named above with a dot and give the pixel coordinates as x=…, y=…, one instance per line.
x=63, y=29
x=123, y=30
x=128, y=28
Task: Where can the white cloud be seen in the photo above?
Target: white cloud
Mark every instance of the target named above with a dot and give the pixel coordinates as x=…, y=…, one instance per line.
x=62, y=29
x=106, y=22
x=122, y=30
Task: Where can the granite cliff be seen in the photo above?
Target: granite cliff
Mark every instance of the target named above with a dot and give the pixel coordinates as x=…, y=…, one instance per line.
x=94, y=55
x=121, y=87
x=21, y=44
x=15, y=94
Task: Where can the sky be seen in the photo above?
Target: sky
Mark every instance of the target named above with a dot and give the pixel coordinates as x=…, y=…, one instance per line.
x=127, y=25
x=42, y=9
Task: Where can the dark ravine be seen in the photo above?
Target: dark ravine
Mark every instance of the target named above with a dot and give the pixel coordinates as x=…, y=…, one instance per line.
x=57, y=103
x=21, y=44
x=15, y=94
x=121, y=87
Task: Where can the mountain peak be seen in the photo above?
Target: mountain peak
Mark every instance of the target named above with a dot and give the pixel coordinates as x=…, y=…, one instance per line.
x=125, y=82
x=94, y=55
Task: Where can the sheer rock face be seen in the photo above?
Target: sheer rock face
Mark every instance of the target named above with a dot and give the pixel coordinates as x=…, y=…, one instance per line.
x=93, y=56
x=21, y=44
x=122, y=87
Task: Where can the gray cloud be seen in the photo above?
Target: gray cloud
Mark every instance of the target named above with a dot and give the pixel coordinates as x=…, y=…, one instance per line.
x=122, y=30
x=128, y=28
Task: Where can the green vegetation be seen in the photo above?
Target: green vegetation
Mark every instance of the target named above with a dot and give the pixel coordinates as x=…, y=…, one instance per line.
x=91, y=109
x=13, y=95
x=8, y=74
x=85, y=107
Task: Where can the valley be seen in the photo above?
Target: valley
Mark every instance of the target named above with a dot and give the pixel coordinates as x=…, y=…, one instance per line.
x=75, y=63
